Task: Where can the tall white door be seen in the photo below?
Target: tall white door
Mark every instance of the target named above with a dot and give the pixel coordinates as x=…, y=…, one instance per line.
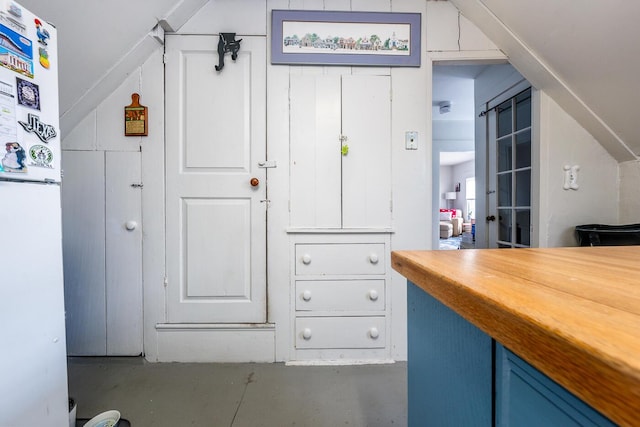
x=215, y=190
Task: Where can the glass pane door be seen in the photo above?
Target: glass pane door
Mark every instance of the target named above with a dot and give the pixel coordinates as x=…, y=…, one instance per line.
x=512, y=179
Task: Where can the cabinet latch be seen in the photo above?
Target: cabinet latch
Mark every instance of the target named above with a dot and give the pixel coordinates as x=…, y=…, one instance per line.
x=267, y=164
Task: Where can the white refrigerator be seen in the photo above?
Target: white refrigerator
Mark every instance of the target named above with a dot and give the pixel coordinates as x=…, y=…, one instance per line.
x=33, y=370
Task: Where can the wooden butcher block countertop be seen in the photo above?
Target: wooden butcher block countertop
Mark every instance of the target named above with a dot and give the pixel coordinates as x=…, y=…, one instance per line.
x=573, y=313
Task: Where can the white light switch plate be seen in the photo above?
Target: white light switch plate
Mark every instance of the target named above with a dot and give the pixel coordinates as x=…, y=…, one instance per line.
x=411, y=140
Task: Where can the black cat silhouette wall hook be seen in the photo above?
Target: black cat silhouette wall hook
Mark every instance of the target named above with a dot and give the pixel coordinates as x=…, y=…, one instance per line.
x=227, y=43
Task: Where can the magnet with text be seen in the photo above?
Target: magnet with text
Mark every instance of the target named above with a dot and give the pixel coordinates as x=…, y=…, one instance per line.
x=16, y=52
x=14, y=159
x=136, y=117
x=40, y=156
x=42, y=130
x=28, y=93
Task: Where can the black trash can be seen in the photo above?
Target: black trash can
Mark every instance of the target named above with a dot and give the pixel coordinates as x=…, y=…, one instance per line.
x=608, y=235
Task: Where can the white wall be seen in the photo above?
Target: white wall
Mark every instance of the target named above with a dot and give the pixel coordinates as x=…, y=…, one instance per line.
x=445, y=34
x=564, y=142
x=450, y=176
x=446, y=180
x=629, y=193
x=101, y=131
x=460, y=174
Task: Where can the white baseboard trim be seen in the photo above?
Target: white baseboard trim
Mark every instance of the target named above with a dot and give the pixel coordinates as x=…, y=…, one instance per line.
x=216, y=343
x=214, y=326
x=339, y=362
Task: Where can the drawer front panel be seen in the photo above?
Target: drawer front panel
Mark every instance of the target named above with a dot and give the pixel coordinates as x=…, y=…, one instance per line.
x=340, y=258
x=340, y=332
x=340, y=295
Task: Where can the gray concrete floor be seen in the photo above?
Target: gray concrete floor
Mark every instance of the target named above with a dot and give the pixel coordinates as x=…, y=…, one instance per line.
x=239, y=395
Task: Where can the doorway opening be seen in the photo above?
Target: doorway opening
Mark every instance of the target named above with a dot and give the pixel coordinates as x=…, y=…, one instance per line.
x=461, y=155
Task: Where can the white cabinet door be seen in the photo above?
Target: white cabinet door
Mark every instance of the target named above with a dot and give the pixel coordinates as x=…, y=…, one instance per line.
x=216, y=219
x=315, y=151
x=123, y=205
x=102, y=258
x=366, y=169
x=330, y=189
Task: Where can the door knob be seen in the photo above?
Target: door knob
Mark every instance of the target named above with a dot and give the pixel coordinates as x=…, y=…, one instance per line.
x=491, y=218
x=130, y=225
x=254, y=182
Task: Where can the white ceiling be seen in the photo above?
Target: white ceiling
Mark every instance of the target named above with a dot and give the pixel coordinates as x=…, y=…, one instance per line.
x=454, y=83
x=454, y=158
x=101, y=42
x=93, y=35
x=585, y=54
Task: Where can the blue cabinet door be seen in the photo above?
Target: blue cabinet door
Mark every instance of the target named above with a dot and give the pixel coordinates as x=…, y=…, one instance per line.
x=449, y=366
x=525, y=397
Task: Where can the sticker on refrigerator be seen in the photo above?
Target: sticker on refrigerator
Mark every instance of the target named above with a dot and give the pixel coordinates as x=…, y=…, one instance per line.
x=16, y=52
x=8, y=124
x=15, y=10
x=44, y=131
x=40, y=156
x=13, y=24
x=14, y=159
x=28, y=94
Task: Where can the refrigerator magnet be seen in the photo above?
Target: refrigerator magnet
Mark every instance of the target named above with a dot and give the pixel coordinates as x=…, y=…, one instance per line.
x=28, y=94
x=44, y=58
x=19, y=49
x=42, y=130
x=14, y=158
x=41, y=32
x=41, y=156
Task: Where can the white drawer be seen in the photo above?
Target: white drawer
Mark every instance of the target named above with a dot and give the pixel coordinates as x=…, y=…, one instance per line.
x=340, y=258
x=340, y=332
x=340, y=295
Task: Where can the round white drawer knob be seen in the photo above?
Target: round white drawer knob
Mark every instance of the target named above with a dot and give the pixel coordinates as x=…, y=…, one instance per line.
x=306, y=333
x=373, y=295
x=306, y=259
x=306, y=295
x=130, y=225
x=373, y=258
x=374, y=333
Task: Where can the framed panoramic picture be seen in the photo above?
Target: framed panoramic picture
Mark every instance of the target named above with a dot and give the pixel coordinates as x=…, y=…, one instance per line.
x=305, y=37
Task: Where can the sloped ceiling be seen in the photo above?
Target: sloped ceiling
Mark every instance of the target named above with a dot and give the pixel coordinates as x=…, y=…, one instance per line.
x=585, y=54
x=93, y=38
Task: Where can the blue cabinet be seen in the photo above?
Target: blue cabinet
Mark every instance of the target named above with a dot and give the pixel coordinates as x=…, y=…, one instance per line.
x=460, y=376
x=449, y=366
x=526, y=397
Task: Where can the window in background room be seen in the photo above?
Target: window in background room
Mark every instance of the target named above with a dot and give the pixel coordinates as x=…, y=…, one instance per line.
x=471, y=198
